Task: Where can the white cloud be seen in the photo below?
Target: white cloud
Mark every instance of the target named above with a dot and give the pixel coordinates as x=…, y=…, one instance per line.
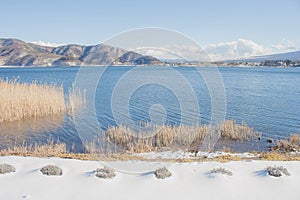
x=285, y=45
x=242, y=48
x=235, y=49
x=48, y=44
x=175, y=52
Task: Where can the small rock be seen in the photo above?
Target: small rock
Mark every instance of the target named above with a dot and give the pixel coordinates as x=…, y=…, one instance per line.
x=270, y=141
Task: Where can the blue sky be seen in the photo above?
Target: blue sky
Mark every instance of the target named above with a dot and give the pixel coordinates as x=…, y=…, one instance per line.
x=266, y=22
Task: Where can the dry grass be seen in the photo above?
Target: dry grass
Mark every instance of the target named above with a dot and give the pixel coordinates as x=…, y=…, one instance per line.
x=32, y=100
x=183, y=137
x=160, y=137
x=51, y=170
x=290, y=145
x=59, y=150
x=36, y=150
x=162, y=173
x=77, y=98
x=233, y=131
x=277, y=171
x=6, y=168
x=106, y=173
x=221, y=170
x=278, y=156
x=295, y=139
x=23, y=100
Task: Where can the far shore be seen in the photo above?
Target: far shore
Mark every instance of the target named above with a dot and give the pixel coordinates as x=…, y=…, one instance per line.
x=166, y=65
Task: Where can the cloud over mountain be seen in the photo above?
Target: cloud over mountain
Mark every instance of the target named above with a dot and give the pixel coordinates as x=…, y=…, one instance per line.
x=240, y=48
x=47, y=44
x=245, y=48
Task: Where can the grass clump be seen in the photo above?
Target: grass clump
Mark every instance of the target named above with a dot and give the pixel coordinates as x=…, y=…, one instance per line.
x=162, y=173
x=51, y=170
x=221, y=170
x=289, y=145
x=106, y=173
x=229, y=129
x=277, y=171
x=5, y=168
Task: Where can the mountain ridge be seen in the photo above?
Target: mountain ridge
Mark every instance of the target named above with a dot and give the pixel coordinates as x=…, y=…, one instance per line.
x=15, y=52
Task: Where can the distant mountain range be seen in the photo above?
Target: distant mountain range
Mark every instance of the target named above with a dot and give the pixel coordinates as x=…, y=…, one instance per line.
x=293, y=56
x=15, y=52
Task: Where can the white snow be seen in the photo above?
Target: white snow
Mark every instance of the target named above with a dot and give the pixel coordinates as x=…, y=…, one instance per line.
x=189, y=181
x=183, y=154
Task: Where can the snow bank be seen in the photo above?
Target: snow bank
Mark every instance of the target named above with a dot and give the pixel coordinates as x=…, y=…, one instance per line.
x=188, y=181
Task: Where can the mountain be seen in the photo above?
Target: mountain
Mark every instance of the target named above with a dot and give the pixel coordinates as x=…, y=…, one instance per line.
x=293, y=56
x=15, y=52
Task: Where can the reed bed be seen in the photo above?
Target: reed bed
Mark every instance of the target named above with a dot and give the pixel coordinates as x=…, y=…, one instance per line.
x=288, y=145
x=229, y=129
x=52, y=149
x=38, y=150
x=182, y=137
x=32, y=100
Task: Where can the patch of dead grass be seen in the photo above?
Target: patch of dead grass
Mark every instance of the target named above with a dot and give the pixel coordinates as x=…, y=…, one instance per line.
x=290, y=145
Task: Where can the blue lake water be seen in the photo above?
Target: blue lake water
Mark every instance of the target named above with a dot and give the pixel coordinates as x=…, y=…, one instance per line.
x=267, y=99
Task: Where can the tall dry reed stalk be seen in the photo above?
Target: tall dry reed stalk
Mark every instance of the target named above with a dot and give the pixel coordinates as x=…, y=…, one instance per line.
x=32, y=100
x=77, y=98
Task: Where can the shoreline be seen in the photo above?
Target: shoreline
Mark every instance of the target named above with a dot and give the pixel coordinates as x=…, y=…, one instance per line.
x=179, y=65
x=169, y=156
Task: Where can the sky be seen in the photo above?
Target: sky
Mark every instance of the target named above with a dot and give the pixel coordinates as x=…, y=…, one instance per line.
x=231, y=28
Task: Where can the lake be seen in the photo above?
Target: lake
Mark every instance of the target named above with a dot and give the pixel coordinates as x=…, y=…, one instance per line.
x=267, y=99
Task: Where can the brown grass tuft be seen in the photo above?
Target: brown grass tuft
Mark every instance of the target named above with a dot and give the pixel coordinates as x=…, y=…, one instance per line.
x=295, y=139
x=290, y=145
x=231, y=130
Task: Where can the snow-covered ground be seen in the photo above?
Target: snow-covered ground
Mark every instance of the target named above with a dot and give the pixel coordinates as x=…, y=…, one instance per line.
x=183, y=154
x=135, y=180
